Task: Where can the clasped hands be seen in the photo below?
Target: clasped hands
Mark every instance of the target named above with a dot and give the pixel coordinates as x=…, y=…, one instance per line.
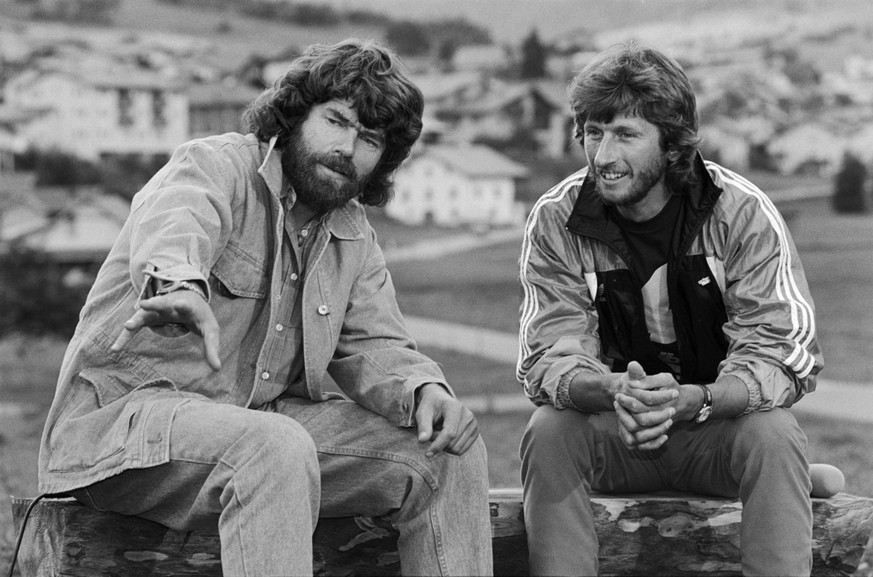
x=646, y=406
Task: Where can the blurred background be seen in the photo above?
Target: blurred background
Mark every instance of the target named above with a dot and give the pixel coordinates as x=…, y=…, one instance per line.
x=96, y=94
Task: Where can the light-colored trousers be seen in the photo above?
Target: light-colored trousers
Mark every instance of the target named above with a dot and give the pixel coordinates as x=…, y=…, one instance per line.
x=759, y=457
x=264, y=477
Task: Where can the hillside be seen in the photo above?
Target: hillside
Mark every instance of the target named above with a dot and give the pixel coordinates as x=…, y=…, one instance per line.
x=510, y=20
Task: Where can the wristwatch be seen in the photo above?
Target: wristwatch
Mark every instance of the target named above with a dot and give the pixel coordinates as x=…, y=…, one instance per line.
x=706, y=410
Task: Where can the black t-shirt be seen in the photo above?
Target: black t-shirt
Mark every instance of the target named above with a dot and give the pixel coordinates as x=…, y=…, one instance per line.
x=649, y=245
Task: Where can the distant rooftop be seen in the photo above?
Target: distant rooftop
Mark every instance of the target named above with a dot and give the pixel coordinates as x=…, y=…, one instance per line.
x=476, y=160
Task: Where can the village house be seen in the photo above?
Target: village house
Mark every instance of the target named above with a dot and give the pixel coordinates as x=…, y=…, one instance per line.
x=74, y=231
x=809, y=149
x=216, y=108
x=507, y=110
x=90, y=114
x=453, y=185
x=480, y=57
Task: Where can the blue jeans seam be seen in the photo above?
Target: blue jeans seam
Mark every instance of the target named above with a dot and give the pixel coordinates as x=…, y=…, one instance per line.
x=437, y=535
x=412, y=463
x=425, y=474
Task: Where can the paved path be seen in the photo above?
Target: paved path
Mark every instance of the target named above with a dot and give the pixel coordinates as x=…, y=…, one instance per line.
x=452, y=243
x=853, y=401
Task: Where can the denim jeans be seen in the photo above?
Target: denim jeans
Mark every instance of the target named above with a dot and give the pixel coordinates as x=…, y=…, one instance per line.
x=264, y=477
x=759, y=457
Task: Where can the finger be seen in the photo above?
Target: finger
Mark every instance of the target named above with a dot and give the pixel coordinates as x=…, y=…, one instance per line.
x=439, y=444
x=130, y=327
x=162, y=305
x=654, y=444
x=211, y=346
x=449, y=431
x=650, y=435
x=123, y=338
x=633, y=404
x=627, y=439
x=424, y=420
x=635, y=371
x=650, y=384
x=651, y=398
x=625, y=419
x=466, y=439
x=209, y=331
x=653, y=418
x=630, y=403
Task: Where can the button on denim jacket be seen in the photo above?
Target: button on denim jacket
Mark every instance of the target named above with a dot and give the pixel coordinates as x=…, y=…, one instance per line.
x=213, y=215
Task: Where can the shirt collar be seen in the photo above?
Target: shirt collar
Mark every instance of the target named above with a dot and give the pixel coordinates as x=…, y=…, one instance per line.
x=344, y=222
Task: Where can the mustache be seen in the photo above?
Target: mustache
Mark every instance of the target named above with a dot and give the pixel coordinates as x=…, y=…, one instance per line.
x=339, y=164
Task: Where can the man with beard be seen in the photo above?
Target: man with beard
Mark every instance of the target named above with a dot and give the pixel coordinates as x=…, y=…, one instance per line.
x=245, y=281
x=665, y=329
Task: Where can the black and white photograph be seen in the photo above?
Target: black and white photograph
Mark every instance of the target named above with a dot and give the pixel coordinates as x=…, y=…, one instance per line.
x=424, y=287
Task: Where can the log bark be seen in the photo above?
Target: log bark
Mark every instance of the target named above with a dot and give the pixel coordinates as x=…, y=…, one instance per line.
x=639, y=534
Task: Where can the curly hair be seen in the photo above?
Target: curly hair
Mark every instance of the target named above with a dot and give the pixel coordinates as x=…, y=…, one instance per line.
x=364, y=73
x=640, y=81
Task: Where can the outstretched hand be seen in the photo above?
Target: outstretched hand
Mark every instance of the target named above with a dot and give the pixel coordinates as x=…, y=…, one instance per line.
x=645, y=406
x=180, y=307
x=444, y=421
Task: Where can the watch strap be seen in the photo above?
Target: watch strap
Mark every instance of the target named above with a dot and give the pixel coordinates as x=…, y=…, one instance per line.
x=706, y=409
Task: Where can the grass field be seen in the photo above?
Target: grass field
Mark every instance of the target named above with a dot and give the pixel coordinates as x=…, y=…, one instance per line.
x=479, y=288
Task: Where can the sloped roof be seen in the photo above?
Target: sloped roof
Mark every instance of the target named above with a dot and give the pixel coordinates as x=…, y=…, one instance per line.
x=475, y=160
x=501, y=95
x=116, y=78
x=221, y=93
x=437, y=86
x=64, y=227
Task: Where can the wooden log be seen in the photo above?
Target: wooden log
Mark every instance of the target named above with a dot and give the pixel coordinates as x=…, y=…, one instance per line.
x=650, y=534
x=681, y=534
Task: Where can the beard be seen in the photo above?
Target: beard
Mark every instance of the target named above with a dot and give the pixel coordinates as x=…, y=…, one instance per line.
x=322, y=193
x=642, y=182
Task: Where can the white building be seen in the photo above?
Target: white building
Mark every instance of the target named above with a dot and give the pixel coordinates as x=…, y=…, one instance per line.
x=88, y=113
x=808, y=148
x=453, y=185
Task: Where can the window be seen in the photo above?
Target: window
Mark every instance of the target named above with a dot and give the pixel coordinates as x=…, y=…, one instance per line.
x=125, y=107
x=159, y=109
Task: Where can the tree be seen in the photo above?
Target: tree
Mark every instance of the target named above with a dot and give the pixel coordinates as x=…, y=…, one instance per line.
x=34, y=296
x=533, y=57
x=58, y=168
x=849, y=186
x=408, y=38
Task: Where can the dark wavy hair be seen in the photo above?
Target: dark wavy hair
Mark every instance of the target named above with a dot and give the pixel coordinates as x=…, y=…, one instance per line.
x=640, y=81
x=366, y=74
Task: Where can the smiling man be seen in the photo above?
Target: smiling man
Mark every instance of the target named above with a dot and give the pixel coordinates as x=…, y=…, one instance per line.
x=665, y=330
x=245, y=280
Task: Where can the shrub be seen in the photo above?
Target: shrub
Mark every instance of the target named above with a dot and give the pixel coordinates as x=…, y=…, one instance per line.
x=849, y=186
x=36, y=296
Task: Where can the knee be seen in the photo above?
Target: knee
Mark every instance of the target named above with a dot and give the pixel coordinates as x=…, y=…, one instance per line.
x=472, y=465
x=281, y=445
x=770, y=434
x=548, y=432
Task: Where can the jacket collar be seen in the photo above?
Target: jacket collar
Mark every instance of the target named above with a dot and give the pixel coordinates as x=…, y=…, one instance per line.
x=590, y=216
x=346, y=222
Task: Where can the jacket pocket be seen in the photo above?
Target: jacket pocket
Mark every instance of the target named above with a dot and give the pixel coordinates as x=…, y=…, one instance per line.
x=93, y=425
x=98, y=418
x=238, y=274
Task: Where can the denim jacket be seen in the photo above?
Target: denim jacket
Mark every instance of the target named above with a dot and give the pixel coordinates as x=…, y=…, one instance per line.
x=212, y=215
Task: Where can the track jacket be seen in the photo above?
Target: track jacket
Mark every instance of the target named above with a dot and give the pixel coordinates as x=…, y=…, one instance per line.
x=739, y=298
x=213, y=215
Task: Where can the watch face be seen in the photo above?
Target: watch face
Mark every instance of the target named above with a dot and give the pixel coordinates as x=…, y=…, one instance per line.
x=704, y=414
